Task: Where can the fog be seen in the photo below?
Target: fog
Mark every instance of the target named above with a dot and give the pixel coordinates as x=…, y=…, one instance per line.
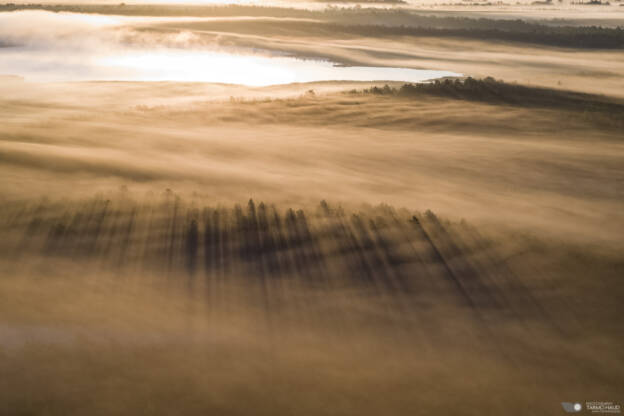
x=333, y=247
x=45, y=46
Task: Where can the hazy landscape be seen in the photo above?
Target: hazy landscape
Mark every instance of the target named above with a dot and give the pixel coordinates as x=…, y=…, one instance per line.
x=305, y=208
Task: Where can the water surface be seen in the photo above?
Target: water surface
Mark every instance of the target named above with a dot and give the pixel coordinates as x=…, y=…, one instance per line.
x=44, y=46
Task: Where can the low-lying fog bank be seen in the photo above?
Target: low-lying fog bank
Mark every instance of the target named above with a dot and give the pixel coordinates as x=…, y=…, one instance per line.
x=551, y=169
x=165, y=305
x=335, y=248
x=570, y=53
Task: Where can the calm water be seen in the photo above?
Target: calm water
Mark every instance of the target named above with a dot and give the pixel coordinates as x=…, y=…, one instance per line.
x=43, y=46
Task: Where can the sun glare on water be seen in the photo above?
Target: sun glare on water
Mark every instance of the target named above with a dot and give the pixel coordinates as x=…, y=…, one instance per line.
x=79, y=47
x=252, y=70
x=200, y=66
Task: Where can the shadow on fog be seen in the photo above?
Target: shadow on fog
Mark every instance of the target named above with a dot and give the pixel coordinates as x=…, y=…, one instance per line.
x=278, y=298
x=380, y=250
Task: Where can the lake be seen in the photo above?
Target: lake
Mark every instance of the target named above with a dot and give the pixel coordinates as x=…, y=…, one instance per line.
x=51, y=47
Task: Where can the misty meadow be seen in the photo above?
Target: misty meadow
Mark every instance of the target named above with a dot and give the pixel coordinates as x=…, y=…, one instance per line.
x=311, y=208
